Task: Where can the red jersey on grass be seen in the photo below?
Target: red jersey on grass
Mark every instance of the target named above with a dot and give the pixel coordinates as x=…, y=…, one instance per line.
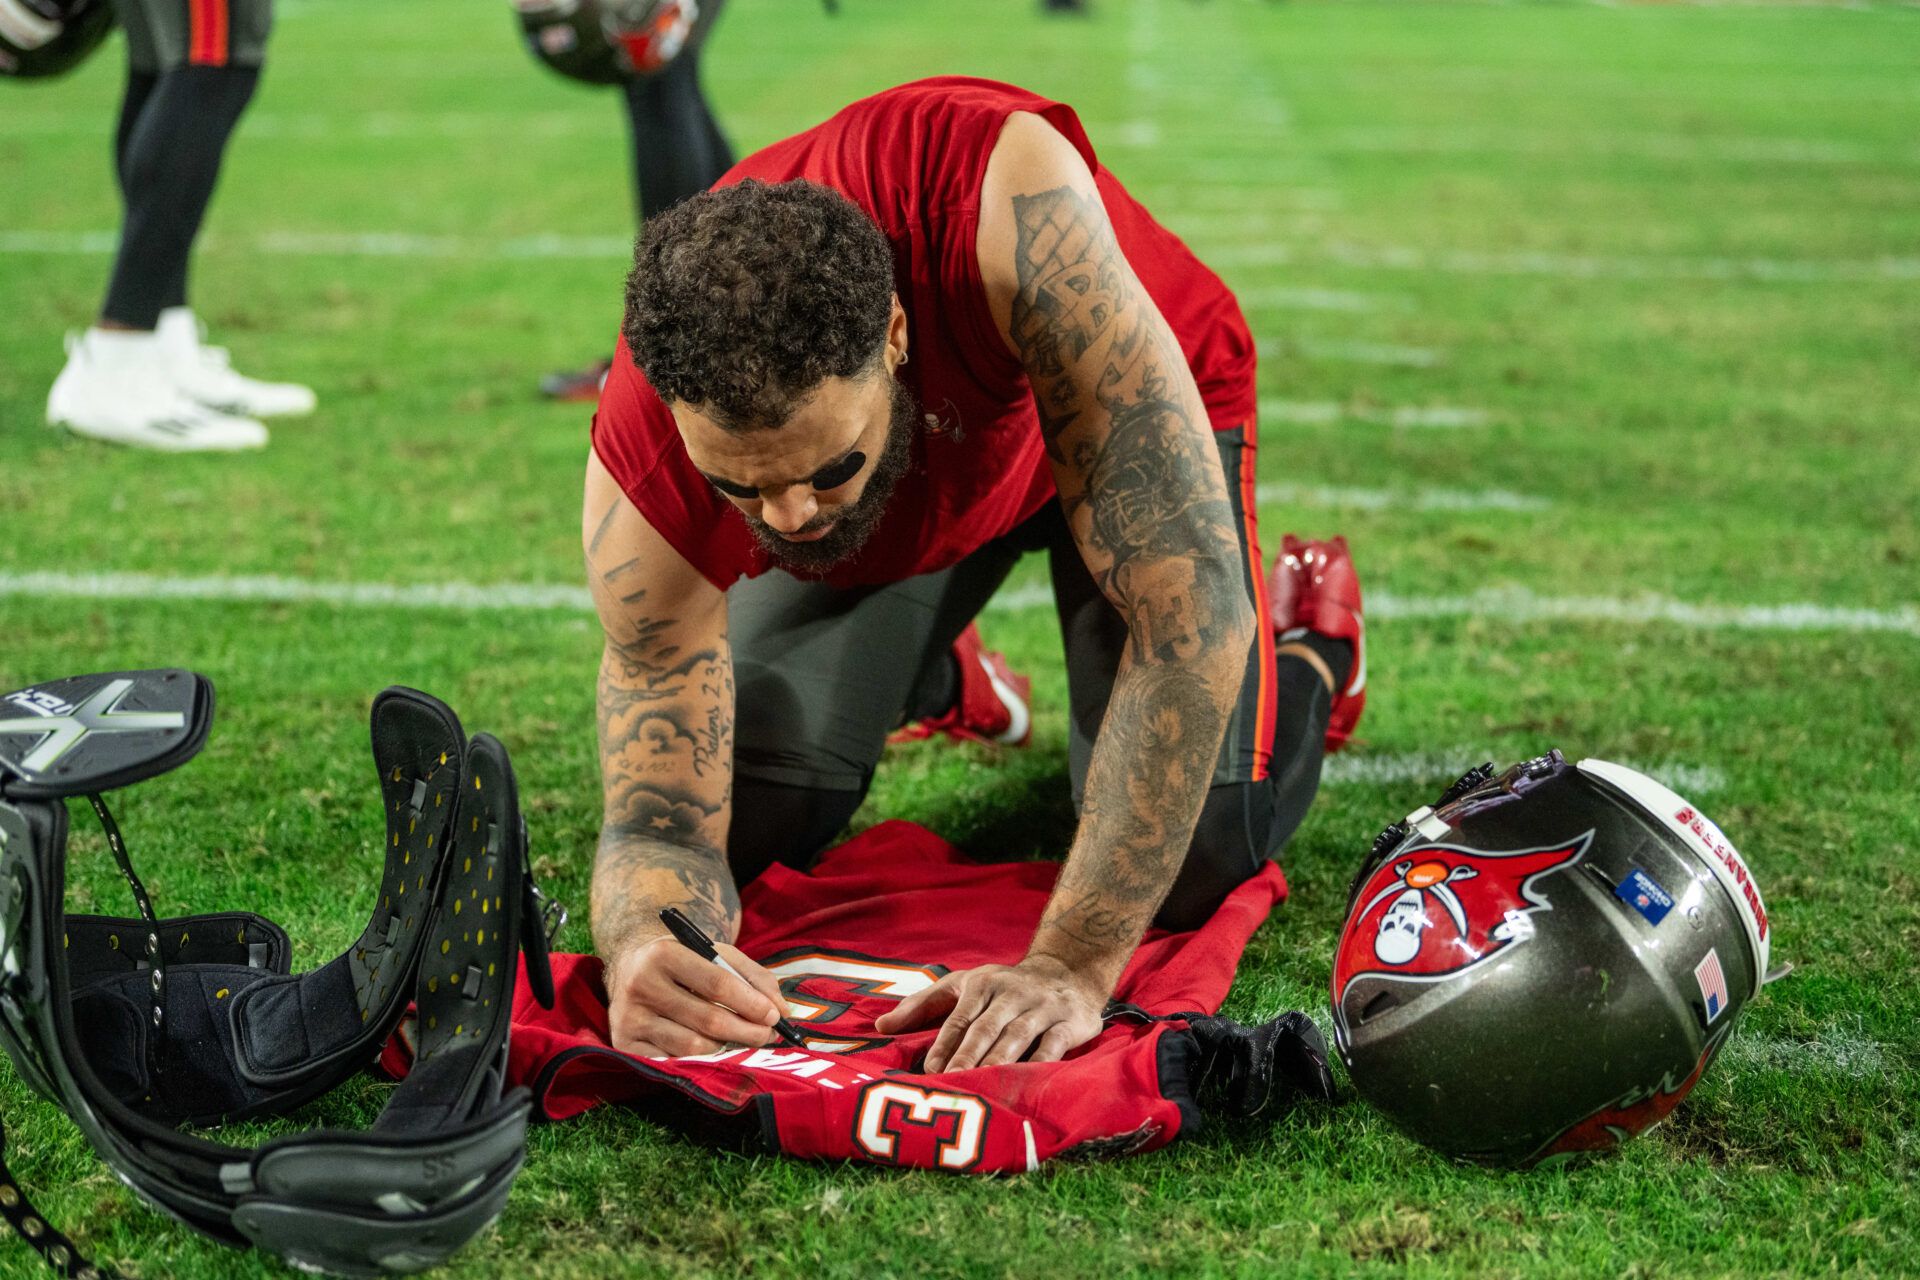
x=878, y=918
x=913, y=159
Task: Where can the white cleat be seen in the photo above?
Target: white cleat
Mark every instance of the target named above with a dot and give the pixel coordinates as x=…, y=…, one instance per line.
x=207, y=374
x=116, y=387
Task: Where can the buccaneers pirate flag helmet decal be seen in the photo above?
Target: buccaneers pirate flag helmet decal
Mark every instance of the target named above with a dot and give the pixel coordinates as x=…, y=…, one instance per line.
x=1544, y=962
x=1415, y=923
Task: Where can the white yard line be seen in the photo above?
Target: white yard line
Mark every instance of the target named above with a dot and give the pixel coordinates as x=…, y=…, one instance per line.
x=59, y=242
x=357, y=126
x=1203, y=231
x=1138, y=135
x=1355, y=499
x=1399, y=768
x=389, y=244
x=1141, y=132
x=1838, y=1048
x=371, y=244
x=1314, y=413
x=1170, y=201
x=1256, y=148
x=1576, y=266
x=272, y=589
x=1386, y=353
x=1684, y=148
x=1263, y=121
x=1302, y=298
x=403, y=245
x=1518, y=605
x=1511, y=605
x=345, y=244
x=1267, y=171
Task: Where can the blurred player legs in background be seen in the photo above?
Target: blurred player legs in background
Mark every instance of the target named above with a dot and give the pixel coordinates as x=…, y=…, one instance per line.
x=141, y=375
x=651, y=49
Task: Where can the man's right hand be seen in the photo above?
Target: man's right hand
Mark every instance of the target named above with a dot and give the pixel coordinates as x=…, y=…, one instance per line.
x=664, y=1001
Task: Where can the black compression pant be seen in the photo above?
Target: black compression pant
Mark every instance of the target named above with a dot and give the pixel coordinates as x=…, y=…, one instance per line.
x=678, y=149
x=173, y=130
x=1242, y=824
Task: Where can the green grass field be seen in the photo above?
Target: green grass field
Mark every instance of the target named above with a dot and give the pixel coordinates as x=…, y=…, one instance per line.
x=1593, y=328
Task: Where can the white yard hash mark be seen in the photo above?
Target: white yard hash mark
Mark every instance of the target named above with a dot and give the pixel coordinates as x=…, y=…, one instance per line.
x=1385, y=353
x=412, y=244
x=1576, y=266
x=1517, y=604
x=1839, y=1048
x=1303, y=298
x=341, y=244
x=1442, y=766
x=1336, y=496
x=1315, y=413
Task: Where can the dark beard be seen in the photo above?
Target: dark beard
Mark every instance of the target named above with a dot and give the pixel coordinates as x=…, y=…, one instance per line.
x=856, y=521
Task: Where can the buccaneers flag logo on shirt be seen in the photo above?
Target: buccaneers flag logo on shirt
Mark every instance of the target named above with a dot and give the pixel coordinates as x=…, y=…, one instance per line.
x=1434, y=911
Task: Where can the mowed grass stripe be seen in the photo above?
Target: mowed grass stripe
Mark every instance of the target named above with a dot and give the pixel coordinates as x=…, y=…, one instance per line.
x=1503, y=604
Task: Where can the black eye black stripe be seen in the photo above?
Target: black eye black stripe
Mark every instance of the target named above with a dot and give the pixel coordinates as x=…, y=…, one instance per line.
x=836, y=474
x=831, y=476
x=733, y=490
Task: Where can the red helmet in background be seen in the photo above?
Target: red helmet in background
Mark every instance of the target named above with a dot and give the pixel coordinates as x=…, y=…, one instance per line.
x=40, y=38
x=610, y=41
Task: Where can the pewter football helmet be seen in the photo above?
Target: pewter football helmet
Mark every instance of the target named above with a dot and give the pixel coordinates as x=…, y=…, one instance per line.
x=1545, y=961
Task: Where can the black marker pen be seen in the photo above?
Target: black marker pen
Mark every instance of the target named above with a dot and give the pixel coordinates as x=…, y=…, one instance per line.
x=689, y=935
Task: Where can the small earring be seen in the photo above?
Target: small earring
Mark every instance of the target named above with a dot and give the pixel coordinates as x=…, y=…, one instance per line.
x=903, y=359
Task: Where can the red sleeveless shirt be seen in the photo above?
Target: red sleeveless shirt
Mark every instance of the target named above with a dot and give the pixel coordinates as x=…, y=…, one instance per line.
x=913, y=159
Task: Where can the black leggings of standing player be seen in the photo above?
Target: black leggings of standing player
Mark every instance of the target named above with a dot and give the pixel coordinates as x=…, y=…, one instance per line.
x=192, y=66
x=678, y=151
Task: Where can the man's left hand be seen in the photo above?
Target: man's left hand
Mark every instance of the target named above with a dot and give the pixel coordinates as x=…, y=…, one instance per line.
x=996, y=1013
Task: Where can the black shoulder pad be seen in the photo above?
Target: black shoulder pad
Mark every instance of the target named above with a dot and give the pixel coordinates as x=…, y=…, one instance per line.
x=99, y=732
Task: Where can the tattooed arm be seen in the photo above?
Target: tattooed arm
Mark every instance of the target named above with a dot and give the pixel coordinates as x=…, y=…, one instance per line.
x=665, y=701
x=1140, y=480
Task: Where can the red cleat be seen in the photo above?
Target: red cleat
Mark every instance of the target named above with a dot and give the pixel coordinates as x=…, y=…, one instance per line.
x=1313, y=587
x=993, y=700
x=578, y=386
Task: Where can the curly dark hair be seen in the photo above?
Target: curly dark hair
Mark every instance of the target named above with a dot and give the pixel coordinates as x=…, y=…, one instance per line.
x=743, y=300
